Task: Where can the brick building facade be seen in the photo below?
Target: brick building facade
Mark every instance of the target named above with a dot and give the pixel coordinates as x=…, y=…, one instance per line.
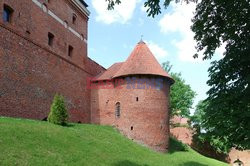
x=43, y=51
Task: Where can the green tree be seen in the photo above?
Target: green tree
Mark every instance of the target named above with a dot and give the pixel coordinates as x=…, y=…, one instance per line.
x=228, y=111
x=201, y=136
x=58, y=112
x=181, y=94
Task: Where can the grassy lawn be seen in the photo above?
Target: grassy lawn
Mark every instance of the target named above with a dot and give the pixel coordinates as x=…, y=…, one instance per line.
x=30, y=142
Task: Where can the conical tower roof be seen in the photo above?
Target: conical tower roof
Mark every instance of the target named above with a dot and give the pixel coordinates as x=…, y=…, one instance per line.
x=141, y=61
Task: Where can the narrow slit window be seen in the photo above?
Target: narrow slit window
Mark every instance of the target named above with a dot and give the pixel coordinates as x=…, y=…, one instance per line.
x=7, y=13
x=137, y=99
x=50, y=39
x=117, y=110
x=74, y=18
x=70, y=51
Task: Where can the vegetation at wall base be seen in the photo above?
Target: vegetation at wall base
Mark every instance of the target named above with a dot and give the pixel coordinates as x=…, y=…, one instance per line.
x=30, y=142
x=58, y=112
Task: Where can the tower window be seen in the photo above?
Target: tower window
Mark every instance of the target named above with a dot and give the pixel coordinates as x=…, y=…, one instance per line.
x=117, y=110
x=137, y=98
x=70, y=51
x=74, y=19
x=50, y=39
x=7, y=13
x=131, y=128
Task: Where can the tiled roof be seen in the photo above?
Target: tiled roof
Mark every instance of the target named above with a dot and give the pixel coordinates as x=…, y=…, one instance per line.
x=141, y=61
x=110, y=72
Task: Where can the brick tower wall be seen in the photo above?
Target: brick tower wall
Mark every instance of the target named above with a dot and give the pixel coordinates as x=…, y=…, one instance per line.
x=144, y=121
x=32, y=72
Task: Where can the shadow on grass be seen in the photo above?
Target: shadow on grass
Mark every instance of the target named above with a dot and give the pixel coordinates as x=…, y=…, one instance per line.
x=69, y=125
x=128, y=163
x=192, y=163
x=176, y=146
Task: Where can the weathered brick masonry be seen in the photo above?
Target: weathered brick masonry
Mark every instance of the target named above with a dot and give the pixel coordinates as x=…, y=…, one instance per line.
x=31, y=71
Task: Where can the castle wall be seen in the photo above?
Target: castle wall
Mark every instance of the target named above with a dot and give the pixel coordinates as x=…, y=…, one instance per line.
x=183, y=134
x=144, y=121
x=32, y=72
x=243, y=156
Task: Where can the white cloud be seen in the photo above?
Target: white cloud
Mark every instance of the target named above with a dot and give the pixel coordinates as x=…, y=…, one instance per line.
x=143, y=9
x=158, y=51
x=121, y=13
x=179, y=20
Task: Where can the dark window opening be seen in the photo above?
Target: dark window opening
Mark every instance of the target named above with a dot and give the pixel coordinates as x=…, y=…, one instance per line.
x=137, y=99
x=74, y=19
x=131, y=128
x=82, y=37
x=7, y=13
x=70, y=51
x=28, y=32
x=117, y=110
x=79, y=122
x=50, y=39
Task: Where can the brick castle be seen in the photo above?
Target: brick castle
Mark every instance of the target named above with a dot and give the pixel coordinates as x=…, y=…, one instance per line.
x=43, y=51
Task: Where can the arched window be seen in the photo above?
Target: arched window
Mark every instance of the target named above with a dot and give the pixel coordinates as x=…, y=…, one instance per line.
x=117, y=110
x=7, y=13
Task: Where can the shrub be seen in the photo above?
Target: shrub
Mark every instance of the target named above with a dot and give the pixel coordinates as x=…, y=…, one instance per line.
x=58, y=112
x=176, y=145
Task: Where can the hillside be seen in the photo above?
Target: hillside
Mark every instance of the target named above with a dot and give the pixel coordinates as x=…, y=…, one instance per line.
x=29, y=142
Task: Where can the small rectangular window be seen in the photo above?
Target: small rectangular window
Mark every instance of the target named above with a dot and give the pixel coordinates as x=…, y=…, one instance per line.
x=50, y=39
x=7, y=13
x=70, y=51
x=74, y=19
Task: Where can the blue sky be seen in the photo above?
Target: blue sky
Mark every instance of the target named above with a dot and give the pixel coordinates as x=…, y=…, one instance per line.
x=113, y=34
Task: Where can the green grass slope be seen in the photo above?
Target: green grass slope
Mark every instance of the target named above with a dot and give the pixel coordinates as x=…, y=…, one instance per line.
x=29, y=142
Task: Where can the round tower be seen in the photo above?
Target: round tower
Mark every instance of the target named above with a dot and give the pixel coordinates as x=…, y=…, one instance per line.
x=138, y=105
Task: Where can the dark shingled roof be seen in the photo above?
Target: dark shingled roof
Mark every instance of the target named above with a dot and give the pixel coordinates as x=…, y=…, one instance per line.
x=140, y=62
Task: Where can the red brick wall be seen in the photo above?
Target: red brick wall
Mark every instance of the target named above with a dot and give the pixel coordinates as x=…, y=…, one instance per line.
x=31, y=72
x=29, y=17
x=183, y=134
x=243, y=156
x=148, y=116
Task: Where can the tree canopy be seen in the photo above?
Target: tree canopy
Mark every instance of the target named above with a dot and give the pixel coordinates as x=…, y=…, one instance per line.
x=181, y=94
x=202, y=135
x=153, y=6
x=228, y=111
